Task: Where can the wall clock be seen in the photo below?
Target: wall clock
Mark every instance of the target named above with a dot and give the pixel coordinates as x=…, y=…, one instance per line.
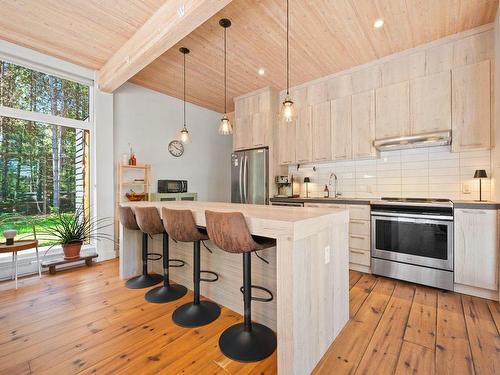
x=176, y=148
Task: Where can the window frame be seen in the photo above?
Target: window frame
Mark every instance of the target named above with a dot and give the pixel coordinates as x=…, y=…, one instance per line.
x=89, y=125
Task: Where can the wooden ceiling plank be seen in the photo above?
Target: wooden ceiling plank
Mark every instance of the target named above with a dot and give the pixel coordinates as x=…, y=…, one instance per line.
x=162, y=31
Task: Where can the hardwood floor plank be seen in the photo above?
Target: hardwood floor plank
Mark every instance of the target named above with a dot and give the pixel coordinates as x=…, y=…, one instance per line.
x=495, y=313
x=415, y=359
x=421, y=326
x=354, y=277
x=483, y=335
x=177, y=354
x=345, y=353
x=87, y=351
x=453, y=355
x=385, y=345
x=360, y=292
x=84, y=321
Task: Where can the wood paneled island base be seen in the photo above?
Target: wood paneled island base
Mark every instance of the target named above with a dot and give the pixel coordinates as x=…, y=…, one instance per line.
x=307, y=273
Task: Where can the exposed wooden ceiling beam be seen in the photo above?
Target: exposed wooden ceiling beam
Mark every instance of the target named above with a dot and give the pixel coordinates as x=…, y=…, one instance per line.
x=164, y=29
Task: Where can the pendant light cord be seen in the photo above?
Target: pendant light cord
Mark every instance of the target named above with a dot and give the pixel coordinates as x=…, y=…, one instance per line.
x=287, y=52
x=184, y=90
x=225, y=72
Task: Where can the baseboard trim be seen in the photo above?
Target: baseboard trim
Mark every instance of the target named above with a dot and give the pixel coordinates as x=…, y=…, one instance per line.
x=359, y=268
x=477, y=292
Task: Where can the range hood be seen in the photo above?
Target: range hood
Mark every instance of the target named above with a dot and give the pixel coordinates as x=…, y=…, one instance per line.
x=442, y=138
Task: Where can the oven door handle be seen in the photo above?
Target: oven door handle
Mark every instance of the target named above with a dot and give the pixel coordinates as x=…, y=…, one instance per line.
x=396, y=217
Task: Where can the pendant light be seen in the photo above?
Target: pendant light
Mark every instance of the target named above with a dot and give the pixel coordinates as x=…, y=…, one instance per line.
x=225, y=127
x=184, y=136
x=287, y=109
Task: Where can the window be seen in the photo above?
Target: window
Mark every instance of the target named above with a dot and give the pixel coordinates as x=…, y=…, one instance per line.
x=44, y=145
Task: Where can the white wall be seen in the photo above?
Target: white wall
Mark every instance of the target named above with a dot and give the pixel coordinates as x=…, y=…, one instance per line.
x=150, y=120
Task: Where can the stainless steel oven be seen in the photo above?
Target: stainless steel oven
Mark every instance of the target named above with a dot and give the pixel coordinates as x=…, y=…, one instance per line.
x=413, y=240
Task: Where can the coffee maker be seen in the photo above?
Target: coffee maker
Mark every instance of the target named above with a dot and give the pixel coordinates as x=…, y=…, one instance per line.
x=285, y=186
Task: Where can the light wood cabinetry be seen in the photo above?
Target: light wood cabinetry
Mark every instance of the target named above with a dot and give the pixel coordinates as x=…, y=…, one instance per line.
x=359, y=233
x=476, y=248
x=363, y=125
x=254, y=116
x=430, y=100
x=303, y=135
x=260, y=129
x=286, y=142
x=392, y=113
x=341, y=128
x=471, y=107
x=321, y=132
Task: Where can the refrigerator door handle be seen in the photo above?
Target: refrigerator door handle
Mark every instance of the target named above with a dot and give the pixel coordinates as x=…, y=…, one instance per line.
x=245, y=178
x=240, y=177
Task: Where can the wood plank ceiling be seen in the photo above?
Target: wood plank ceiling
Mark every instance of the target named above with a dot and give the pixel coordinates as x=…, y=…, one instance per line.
x=326, y=36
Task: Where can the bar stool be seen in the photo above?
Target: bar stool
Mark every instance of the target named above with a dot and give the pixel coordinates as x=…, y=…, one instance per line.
x=180, y=225
x=247, y=341
x=150, y=222
x=128, y=220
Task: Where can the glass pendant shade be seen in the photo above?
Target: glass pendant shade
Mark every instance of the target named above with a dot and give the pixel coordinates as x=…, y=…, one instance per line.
x=225, y=127
x=185, y=138
x=287, y=109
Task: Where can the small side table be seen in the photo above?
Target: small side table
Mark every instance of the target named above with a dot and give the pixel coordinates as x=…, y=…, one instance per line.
x=18, y=246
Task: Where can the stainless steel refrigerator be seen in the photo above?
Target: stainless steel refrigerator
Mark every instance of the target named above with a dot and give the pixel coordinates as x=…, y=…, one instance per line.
x=250, y=176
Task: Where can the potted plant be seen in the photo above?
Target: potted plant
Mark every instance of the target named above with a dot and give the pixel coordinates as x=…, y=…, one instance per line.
x=72, y=230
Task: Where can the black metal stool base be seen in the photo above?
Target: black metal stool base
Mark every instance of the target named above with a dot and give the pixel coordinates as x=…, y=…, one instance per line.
x=243, y=346
x=144, y=281
x=191, y=315
x=165, y=294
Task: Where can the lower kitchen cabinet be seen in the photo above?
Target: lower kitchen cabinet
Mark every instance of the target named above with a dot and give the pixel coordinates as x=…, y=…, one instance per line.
x=476, y=248
x=359, y=233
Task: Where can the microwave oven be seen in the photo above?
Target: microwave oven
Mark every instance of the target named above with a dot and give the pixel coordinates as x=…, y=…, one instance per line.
x=172, y=186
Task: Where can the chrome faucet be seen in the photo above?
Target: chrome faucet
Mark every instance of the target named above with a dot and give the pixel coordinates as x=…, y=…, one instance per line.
x=335, y=186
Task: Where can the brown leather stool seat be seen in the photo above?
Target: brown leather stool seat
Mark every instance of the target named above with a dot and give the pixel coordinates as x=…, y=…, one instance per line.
x=180, y=225
x=247, y=341
x=145, y=280
x=150, y=223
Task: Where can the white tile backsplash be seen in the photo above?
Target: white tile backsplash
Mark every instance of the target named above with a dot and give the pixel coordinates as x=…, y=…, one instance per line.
x=432, y=172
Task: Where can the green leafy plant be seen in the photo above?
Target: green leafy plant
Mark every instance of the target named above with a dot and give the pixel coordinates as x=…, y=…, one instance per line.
x=77, y=227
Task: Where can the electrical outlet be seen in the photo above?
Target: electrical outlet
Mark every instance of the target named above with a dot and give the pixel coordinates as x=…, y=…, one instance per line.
x=327, y=254
x=466, y=188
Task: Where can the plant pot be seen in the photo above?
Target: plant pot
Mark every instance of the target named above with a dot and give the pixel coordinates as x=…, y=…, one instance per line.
x=72, y=250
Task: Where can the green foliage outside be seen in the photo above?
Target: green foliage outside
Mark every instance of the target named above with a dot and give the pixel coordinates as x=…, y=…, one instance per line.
x=40, y=164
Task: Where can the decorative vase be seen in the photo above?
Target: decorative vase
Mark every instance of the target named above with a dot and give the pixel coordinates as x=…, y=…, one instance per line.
x=72, y=250
x=9, y=235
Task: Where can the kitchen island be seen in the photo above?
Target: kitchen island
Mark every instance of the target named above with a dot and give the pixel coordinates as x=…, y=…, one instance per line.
x=307, y=273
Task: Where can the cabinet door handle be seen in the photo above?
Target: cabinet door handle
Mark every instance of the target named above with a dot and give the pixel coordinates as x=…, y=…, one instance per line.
x=358, y=237
x=358, y=252
x=474, y=212
x=358, y=221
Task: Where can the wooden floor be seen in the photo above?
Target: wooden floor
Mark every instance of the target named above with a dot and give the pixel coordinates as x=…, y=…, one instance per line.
x=84, y=321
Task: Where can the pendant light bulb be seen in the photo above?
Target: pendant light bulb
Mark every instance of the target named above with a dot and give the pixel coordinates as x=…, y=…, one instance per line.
x=184, y=135
x=225, y=127
x=287, y=108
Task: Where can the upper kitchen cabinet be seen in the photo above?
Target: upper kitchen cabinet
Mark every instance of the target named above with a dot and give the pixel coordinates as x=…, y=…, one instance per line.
x=321, y=135
x=286, y=142
x=341, y=128
x=471, y=107
x=242, y=132
x=260, y=129
x=430, y=101
x=255, y=113
x=303, y=135
x=392, y=111
x=363, y=125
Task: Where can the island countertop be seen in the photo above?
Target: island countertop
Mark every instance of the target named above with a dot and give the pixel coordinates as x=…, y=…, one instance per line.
x=266, y=221
x=307, y=272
